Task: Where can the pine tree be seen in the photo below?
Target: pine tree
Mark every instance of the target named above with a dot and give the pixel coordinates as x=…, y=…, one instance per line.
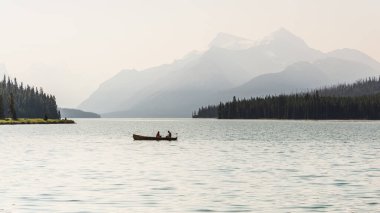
x=2, y=115
x=12, y=107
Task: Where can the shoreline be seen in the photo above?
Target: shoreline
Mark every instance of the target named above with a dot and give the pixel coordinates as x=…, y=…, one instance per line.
x=26, y=121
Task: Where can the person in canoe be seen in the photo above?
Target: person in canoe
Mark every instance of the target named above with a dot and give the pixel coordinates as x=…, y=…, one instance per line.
x=169, y=134
x=158, y=135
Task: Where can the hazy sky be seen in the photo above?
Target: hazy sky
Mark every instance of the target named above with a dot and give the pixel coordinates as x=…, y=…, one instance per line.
x=70, y=46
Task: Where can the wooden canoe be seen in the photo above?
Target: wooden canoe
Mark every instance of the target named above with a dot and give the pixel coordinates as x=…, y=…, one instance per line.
x=147, y=138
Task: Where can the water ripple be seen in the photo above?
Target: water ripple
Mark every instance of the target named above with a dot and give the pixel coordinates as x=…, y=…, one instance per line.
x=216, y=166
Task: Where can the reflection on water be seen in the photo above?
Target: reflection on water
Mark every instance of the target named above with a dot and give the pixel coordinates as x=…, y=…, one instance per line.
x=216, y=166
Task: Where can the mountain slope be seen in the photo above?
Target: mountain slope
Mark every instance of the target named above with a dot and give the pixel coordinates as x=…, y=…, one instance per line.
x=302, y=76
x=180, y=91
x=344, y=71
x=111, y=95
x=296, y=77
x=75, y=113
x=355, y=55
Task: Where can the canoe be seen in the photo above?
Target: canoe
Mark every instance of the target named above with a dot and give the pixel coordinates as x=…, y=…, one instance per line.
x=147, y=138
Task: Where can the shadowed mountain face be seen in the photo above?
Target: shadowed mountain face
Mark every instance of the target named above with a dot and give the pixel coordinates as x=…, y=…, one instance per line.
x=302, y=76
x=280, y=63
x=296, y=77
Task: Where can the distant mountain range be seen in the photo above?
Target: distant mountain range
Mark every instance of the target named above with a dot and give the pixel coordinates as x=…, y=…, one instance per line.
x=232, y=66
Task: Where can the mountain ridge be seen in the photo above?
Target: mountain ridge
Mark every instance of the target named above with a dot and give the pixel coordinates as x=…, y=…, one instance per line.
x=174, y=89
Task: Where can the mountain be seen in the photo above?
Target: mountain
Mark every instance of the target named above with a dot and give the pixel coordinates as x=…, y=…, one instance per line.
x=344, y=71
x=302, y=76
x=122, y=86
x=177, y=92
x=272, y=54
x=299, y=76
x=355, y=55
x=127, y=84
x=231, y=42
x=281, y=62
x=76, y=113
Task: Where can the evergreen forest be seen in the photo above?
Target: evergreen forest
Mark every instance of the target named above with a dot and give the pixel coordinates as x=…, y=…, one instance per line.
x=23, y=101
x=360, y=100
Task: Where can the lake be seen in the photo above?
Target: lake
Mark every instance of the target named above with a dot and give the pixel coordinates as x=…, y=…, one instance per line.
x=215, y=166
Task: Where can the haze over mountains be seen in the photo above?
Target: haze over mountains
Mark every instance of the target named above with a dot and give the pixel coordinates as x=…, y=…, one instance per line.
x=232, y=66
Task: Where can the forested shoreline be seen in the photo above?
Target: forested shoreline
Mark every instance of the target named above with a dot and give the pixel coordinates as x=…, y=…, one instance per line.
x=23, y=101
x=360, y=100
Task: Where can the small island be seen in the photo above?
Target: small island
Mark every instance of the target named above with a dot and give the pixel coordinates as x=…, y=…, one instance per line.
x=35, y=121
x=24, y=104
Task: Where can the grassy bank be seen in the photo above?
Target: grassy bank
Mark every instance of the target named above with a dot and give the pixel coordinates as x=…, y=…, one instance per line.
x=9, y=121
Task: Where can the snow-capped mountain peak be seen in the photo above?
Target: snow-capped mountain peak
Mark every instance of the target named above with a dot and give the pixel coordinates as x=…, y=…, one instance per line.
x=282, y=36
x=231, y=42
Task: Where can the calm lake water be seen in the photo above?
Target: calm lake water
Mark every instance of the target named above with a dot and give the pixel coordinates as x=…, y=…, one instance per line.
x=216, y=166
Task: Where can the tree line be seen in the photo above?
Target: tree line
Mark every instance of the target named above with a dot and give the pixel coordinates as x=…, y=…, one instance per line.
x=23, y=101
x=360, y=100
x=368, y=86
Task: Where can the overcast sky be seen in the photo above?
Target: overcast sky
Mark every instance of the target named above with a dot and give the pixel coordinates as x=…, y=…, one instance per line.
x=70, y=46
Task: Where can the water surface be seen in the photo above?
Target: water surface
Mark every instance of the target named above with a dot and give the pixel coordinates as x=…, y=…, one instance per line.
x=216, y=166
